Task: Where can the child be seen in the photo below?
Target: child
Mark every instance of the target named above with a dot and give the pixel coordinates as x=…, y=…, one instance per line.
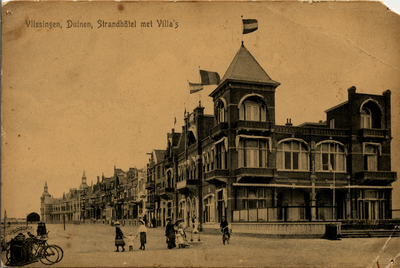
x=130, y=241
x=180, y=236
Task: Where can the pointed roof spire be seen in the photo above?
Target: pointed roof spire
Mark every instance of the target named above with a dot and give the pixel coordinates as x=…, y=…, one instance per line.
x=244, y=67
x=83, y=174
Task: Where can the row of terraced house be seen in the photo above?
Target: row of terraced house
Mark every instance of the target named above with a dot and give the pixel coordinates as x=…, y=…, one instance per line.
x=263, y=177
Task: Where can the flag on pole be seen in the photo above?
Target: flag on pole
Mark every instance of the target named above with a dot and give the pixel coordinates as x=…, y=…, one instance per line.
x=209, y=78
x=195, y=87
x=249, y=25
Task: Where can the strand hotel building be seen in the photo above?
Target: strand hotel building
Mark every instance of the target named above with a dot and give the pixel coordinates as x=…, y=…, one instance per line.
x=263, y=177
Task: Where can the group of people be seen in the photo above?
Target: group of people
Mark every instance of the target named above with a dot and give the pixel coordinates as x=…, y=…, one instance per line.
x=119, y=237
x=174, y=233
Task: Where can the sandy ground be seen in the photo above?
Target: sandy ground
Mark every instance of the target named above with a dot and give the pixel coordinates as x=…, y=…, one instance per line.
x=93, y=246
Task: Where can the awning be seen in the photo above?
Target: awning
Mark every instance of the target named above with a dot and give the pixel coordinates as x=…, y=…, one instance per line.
x=309, y=186
x=283, y=186
x=367, y=187
x=225, y=140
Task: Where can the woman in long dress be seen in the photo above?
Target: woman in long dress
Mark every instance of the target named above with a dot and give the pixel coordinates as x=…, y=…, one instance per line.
x=119, y=238
x=142, y=232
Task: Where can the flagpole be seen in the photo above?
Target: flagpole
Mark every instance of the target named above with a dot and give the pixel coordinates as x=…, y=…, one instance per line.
x=200, y=90
x=242, y=29
x=188, y=99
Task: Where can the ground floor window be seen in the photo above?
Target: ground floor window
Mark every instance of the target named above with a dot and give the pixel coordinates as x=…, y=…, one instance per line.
x=371, y=204
x=209, y=209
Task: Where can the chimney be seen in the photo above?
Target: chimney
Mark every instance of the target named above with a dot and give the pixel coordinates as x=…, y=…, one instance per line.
x=351, y=91
x=289, y=122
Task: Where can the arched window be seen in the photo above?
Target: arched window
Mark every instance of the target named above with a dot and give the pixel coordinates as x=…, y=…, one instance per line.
x=330, y=156
x=220, y=112
x=292, y=155
x=253, y=109
x=371, y=114
x=365, y=118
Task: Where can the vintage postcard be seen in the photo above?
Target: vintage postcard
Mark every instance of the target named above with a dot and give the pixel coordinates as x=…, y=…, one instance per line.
x=200, y=134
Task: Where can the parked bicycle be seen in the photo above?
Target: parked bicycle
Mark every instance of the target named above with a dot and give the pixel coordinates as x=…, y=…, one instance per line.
x=22, y=251
x=225, y=235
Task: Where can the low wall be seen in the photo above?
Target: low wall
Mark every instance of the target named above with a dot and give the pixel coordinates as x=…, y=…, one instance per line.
x=298, y=229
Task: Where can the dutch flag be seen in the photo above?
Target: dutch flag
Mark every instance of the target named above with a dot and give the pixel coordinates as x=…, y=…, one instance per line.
x=249, y=25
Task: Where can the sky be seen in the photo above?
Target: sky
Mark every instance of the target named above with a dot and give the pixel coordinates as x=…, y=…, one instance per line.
x=89, y=99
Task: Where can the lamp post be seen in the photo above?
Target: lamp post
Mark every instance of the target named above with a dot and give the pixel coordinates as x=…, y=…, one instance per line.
x=334, y=192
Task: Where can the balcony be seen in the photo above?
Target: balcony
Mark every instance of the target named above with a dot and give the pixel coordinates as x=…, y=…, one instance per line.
x=217, y=176
x=149, y=185
x=186, y=186
x=258, y=126
x=373, y=133
x=253, y=172
x=216, y=131
x=166, y=193
x=311, y=131
x=375, y=177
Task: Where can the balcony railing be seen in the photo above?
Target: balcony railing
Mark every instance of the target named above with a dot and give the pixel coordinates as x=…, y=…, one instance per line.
x=217, y=176
x=150, y=205
x=218, y=129
x=255, y=172
x=311, y=131
x=371, y=132
x=384, y=177
x=255, y=125
x=186, y=185
x=166, y=193
x=283, y=214
x=149, y=185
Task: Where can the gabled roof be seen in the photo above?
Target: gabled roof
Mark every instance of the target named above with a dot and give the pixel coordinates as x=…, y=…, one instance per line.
x=244, y=67
x=159, y=155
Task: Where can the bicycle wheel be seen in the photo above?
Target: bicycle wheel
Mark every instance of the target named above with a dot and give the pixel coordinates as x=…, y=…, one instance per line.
x=60, y=252
x=41, y=255
x=49, y=255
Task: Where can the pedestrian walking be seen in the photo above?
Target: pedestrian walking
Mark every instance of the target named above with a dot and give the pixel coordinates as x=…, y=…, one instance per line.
x=131, y=238
x=142, y=232
x=119, y=237
x=170, y=234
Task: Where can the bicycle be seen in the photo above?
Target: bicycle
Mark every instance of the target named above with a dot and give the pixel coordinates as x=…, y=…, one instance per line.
x=24, y=251
x=225, y=235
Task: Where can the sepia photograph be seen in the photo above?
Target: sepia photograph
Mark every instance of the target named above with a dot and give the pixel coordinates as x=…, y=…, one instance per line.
x=200, y=134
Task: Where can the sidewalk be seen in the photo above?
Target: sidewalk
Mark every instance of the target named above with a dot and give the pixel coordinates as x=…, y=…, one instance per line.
x=93, y=246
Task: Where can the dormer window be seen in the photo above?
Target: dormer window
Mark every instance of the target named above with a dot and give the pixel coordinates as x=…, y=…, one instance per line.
x=253, y=109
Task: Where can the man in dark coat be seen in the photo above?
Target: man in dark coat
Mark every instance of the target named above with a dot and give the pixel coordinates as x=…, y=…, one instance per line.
x=224, y=223
x=170, y=234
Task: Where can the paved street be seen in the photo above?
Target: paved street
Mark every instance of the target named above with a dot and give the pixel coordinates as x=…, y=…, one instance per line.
x=93, y=245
